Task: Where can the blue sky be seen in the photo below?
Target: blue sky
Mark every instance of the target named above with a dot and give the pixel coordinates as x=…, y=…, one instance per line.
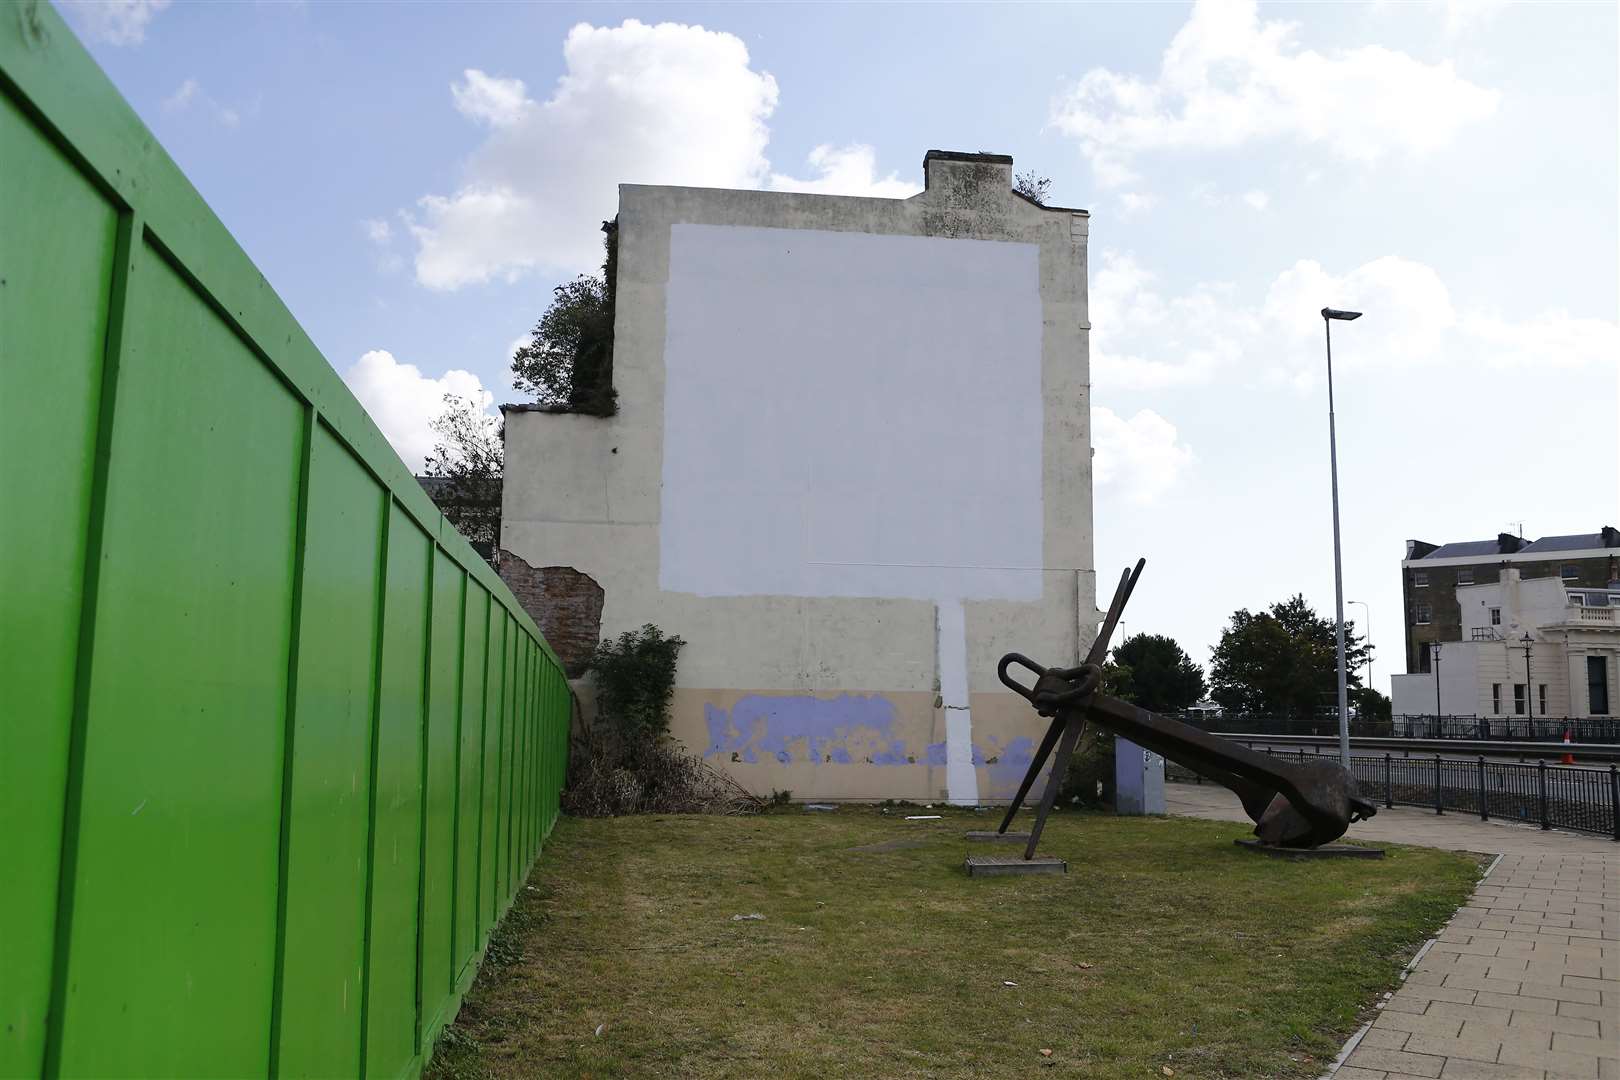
x=414, y=179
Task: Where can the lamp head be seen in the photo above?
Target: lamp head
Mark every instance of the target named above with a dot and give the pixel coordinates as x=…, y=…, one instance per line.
x=1334, y=313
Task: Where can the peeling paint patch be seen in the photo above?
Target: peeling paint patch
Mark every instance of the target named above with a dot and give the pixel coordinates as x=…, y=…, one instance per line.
x=803, y=727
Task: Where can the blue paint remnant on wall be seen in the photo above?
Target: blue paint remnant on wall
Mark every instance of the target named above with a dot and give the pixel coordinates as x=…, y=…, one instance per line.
x=1009, y=768
x=935, y=754
x=846, y=729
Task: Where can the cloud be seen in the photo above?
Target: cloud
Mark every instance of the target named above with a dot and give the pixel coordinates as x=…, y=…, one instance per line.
x=115, y=22
x=1465, y=15
x=1228, y=79
x=847, y=170
x=1134, y=202
x=191, y=94
x=1259, y=200
x=1145, y=340
x=664, y=104
x=378, y=231
x=496, y=102
x=403, y=402
x=1141, y=455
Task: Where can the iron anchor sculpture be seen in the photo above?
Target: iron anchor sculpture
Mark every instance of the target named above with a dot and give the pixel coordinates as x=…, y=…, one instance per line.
x=1292, y=805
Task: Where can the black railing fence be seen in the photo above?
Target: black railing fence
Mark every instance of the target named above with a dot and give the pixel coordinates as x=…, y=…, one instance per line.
x=1552, y=796
x=1581, y=729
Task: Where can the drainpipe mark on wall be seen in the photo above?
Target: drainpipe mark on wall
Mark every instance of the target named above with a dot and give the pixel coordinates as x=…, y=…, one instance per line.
x=961, y=781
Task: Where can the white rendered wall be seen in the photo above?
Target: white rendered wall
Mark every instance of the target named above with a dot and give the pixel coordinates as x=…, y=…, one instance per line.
x=851, y=468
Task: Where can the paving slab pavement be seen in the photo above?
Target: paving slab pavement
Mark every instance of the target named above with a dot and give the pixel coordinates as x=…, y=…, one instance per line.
x=1524, y=981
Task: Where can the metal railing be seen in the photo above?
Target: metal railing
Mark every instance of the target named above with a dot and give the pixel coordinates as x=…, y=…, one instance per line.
x=1581, y=729
x=1552, y=796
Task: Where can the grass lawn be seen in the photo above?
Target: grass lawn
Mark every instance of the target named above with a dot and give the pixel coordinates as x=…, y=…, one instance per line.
x=1164, y=951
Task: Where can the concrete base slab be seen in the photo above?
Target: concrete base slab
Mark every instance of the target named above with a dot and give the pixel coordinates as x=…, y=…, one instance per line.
x=993, y=865
x=1326, y=851
x=996, y=837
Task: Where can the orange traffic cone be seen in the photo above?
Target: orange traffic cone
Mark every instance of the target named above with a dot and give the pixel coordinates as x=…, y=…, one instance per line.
x=1568, y=758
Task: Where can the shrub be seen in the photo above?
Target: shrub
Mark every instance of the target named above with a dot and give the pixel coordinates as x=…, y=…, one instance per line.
x=624, y=762
x=635, y=679
x=1089, y=782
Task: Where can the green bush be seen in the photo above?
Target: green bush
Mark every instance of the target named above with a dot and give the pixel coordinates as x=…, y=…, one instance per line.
x=635, y=679
x=1089, y=783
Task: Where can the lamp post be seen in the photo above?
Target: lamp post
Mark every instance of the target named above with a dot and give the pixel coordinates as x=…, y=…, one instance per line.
x=1434, y=649
x=1529, y=701
x=1328, y=315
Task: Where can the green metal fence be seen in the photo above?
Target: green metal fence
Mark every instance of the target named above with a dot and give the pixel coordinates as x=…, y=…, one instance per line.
x=276, y=747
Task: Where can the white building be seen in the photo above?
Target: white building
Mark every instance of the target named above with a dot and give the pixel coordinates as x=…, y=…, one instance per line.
x=1568, y=636
x=851, y=467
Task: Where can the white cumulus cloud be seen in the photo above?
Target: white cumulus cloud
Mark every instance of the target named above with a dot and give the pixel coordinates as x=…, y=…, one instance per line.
x=116, y=22
x=190, y=94
x=663, y=104
x=1258, y=200
x=1142, y=456
x=1229, y=78
x=403, y=402
x=1144, y=339
x=847, y=170
x=496, y=102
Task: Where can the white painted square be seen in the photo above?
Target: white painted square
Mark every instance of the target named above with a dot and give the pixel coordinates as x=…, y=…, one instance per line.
x=851, y=415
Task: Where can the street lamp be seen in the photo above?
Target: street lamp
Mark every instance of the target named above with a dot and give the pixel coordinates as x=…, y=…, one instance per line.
x=1529, y=701
x=1328, y=315
x=1434, y=648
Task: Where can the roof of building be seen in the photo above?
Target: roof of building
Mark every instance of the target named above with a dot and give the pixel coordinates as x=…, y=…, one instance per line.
x=1575, y=542
x=1506, y=544
x=1464, y=549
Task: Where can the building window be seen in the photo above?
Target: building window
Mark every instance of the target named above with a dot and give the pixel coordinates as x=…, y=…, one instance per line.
x=1496, y=698
x=1518, y=699
x=1420, y=579
x=1496, y=616
x=1577, y=598
x=1597, y=599
x=1570, y=572
x=1465, y=576
x=1423, y=614
x=1597, y=685
x=1423, y=657
x=1541, y=698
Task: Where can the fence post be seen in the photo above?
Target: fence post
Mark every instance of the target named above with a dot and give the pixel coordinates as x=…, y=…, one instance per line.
x=1439, y=796
x=1614, y=800
x=1389, y=787
x=1484, y=808
x=1541, y=791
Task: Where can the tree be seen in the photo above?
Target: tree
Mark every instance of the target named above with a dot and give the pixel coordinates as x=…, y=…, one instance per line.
x=464, y=471
x=568, y=362
x=1157, y=674
x=1283, y=661
x=1369, y=703
x=1032, y=187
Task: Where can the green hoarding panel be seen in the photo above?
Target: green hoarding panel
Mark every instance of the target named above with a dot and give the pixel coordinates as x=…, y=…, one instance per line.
x=444, y=699
x=464, y=936
x=274, y=733
x=489, y=825
x=391, y=990
x=179, y=823
x=323, y=941
x=57, y=239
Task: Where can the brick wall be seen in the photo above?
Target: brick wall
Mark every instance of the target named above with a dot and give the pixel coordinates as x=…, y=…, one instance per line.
x=566, y=604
